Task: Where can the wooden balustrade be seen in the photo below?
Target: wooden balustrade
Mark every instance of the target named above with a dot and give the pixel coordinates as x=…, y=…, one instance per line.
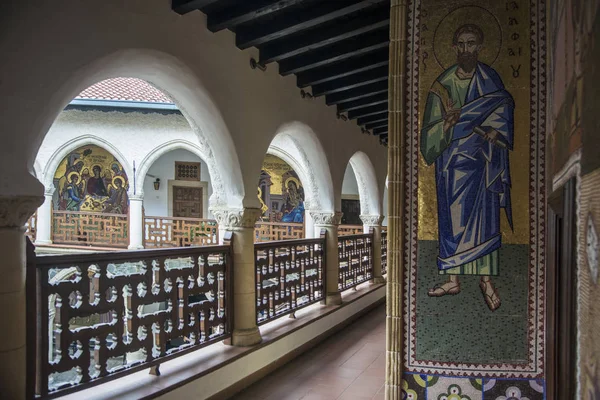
x=90, y=229
x=345, y=230
x=356, y=260
x=179, y=232
x=383, y=253
x=105, y=315
x=276, y=231
x=290, y=275
x=31, y=227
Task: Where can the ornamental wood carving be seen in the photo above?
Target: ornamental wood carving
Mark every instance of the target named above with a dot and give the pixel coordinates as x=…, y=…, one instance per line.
x=383, y=253
x=276, y=231
x=356, y=260
x=90, y=229
x=345, y=230
x=179, y=232
x=105, y=315
x=289, y=276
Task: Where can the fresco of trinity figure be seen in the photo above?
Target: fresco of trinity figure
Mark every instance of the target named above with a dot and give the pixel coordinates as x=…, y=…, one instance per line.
x=468, y=133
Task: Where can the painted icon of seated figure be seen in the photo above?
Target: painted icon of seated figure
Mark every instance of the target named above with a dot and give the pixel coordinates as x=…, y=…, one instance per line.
x=468, y=133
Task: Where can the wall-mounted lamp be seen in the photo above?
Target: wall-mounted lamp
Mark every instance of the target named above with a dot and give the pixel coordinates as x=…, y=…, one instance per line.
x=157, y=184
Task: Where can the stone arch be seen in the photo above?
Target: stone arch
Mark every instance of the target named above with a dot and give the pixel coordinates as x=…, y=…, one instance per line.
x=296, y=144
x=368, y=189
x=47, y=175
x=181, y=84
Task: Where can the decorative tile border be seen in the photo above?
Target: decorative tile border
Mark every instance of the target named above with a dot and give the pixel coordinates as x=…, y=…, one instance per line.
x=534, y=367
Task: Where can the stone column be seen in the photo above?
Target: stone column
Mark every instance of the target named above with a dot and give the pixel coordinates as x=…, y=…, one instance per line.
x=44, y=219
x=373, y=223
x=14, y=213
x=330, y=221
x=396, y=171
x=241, y=224
x=136, y=221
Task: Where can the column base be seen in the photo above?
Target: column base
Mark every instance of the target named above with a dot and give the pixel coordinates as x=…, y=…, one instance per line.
x=393, y=392
x=246, y=337
x=42, y=242
x=378, y=280
x=135, y=247
x=333, y=299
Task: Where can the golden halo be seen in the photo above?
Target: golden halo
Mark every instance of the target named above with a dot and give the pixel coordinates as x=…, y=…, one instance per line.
x=71, y=174
x=120, y=178
x=443, y=51
x=295, y=180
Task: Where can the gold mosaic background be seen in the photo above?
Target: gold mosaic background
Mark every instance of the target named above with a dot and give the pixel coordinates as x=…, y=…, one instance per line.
x=507, y=49
x=276, y=167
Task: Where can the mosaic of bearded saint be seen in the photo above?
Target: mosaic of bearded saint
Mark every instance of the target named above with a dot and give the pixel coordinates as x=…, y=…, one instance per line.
x=468, y=133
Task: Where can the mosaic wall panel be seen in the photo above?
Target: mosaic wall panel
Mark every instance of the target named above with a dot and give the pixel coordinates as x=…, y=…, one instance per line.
x=475, y=144
x=280, y=192
x=434, y=387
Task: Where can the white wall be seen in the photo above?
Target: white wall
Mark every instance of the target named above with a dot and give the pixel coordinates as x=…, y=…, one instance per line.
x=156, y=202
x=234, y=111
x=349, y=186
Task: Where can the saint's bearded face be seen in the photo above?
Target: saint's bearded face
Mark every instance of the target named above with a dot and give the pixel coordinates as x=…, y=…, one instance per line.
x=467, y=50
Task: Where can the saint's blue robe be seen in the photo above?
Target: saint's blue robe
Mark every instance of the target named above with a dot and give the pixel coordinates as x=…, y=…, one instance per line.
x=472, y=175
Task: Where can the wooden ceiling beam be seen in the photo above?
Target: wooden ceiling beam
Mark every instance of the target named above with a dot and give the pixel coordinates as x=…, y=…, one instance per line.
x=186, y=6
x=377, y=124
x=366, y=43
x=296, y=20
x=358, y=93
x=364, y=102
x=351, y=66
x=246, y=11
x=368, y=111
x=380, y=131
x=350, y=82
x=373, y=118
x=328, y=34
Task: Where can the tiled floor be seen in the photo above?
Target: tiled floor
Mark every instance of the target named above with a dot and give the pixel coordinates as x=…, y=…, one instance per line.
x=350, y=365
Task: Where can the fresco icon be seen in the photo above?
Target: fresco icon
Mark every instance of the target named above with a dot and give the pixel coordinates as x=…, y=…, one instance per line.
x=468, y=132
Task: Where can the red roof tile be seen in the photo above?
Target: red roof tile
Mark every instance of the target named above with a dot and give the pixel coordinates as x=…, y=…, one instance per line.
x=124, y=89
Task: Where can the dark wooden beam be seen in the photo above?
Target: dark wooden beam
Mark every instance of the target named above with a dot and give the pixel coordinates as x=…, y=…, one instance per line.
x=246, y=11
x=358, y=93
x=185, y=6
x=351, y=66
x=350, y=82
x=325, y=35
x=380, y=131
x=340, y=51
x=373, y=118
x=296, y=20
x=364, y=102
x=368, y=111
x=376, y=124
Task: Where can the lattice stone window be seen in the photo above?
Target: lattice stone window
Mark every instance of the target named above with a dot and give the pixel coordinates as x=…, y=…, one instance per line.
x=187, y=171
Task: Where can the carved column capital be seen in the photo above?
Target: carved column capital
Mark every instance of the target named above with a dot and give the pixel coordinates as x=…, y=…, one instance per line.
x=372, y=220
x=237, y=218
x=49, y=191
x=326, y=218
x=16, y=210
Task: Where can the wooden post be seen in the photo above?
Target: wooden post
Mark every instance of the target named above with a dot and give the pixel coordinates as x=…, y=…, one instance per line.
x=396, y=200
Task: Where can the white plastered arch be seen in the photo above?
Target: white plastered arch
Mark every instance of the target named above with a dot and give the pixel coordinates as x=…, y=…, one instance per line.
x=368, y=189
x=47, y=175
x=175, y=79
x=296, y=144
x=165, y=148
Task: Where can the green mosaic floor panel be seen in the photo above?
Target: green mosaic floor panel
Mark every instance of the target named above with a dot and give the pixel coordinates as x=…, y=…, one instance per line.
x=461, y=328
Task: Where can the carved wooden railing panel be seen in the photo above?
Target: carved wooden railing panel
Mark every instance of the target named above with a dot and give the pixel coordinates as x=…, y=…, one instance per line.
x=345, y=230
x=277, y=231
x=31, y=227
x=105, y=315
x=290, y=275
x=356, y=260
x=383, y=253
x=90, y=229
x=161, y=232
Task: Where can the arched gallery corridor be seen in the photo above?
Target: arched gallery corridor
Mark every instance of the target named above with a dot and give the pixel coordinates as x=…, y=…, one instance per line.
x=299, y=199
